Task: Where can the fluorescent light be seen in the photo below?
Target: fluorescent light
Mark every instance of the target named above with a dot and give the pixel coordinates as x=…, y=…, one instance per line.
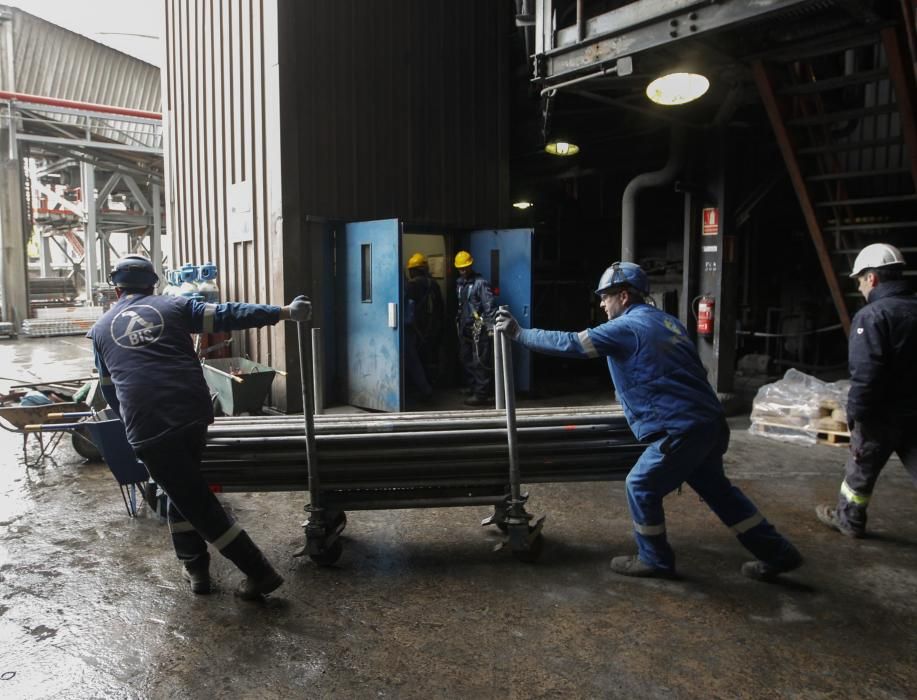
x=677, y=88
x=522, y=204
x=561, y=148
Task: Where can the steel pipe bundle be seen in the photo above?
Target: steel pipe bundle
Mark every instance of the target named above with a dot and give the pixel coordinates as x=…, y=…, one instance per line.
x=463, y=451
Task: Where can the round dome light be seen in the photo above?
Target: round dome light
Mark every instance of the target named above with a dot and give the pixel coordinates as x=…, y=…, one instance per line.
x=561, y=148
x=677, y=88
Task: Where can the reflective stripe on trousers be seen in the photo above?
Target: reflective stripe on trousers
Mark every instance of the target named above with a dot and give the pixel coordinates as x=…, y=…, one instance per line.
x=695, y=457
x=860, y=499
x=649, y=530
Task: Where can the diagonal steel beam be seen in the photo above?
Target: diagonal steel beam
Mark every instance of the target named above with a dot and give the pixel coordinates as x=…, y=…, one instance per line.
x=787, y=149
x=904, y=95
x=135, y=190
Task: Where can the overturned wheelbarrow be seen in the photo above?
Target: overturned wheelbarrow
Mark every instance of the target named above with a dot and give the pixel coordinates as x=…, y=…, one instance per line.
x=107, y=433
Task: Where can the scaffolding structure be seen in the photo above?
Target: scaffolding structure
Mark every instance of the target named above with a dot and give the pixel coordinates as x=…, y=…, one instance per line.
x=93, y=179
x=81, y=165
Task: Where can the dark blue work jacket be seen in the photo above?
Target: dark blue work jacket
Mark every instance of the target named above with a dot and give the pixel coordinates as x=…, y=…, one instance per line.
x=474, y=297
x=882, y=355
x=148, y=370
x=657, y=373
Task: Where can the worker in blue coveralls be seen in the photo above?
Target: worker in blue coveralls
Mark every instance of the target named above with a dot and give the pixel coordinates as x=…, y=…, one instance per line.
x=150, y=375
x=882, y=402
x=474, y=322
x=668, y=403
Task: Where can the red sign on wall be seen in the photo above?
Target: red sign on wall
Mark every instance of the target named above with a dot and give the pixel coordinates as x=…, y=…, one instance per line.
x=711, y=224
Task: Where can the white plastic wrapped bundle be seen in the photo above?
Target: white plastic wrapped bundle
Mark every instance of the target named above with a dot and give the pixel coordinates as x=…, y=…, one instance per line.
x=799, y=407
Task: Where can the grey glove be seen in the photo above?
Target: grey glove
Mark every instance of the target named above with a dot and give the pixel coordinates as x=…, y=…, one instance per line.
x=300, y=309
x=507, y=324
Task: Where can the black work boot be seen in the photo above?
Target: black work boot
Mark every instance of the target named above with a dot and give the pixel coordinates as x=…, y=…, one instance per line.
x=828, y=516
x=252, y=588
x=260, y=577
x=197, y=573
x=634, y=566
x=770, y=570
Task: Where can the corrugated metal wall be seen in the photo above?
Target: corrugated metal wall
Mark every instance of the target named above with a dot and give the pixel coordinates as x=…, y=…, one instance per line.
x=51, y=61
x=401, y=108
x=220, y=56
x=388, y=108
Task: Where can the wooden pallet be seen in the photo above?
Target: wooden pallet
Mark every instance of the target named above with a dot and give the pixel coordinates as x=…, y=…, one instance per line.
x=835, y=438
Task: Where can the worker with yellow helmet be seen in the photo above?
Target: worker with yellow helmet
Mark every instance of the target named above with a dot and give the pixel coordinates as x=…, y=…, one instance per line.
x=475, y=322
x=423, y=327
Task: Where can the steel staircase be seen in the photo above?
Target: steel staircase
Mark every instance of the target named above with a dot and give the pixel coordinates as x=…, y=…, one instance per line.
x=844, y=115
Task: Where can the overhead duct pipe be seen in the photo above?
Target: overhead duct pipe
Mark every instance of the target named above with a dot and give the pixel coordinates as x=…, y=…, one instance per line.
x=641, y=182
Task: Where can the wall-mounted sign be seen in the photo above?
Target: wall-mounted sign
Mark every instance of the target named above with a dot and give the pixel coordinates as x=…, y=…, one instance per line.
x=711, y=221
x=240, y=220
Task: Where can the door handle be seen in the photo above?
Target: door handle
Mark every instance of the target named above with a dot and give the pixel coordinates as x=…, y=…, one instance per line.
x=392, y=314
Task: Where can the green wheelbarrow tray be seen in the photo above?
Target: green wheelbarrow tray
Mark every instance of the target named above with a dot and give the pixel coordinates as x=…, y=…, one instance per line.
x=241, y=385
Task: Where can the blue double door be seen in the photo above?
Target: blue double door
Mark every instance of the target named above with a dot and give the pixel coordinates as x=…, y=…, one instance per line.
x=370, y=294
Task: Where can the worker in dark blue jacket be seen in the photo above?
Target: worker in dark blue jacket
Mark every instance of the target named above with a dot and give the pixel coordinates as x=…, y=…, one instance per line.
x=423, y=327
x=882, y=403
x=668, y=402
x=151, y=376
x=474, y=323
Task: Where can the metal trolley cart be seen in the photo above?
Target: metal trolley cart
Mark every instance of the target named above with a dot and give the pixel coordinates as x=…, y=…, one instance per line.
x=418, y=460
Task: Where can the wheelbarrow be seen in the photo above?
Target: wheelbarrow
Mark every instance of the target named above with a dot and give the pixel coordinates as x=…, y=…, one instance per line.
x=107, y=433
x=23, y=419
x=240, y=385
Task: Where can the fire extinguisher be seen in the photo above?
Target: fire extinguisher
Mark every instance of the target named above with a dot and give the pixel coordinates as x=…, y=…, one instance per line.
x=705, y=309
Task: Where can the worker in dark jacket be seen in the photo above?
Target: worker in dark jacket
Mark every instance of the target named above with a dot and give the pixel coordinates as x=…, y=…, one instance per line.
x=423, y=326
x=668, y=402
x=150, y=375
x=882, y=403
x=474, y=323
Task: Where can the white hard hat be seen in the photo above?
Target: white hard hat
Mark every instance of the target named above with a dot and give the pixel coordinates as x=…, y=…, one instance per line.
x=876, y=255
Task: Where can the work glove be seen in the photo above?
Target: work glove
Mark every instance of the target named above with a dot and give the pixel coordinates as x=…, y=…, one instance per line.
x=300, y=309
x=507, y=324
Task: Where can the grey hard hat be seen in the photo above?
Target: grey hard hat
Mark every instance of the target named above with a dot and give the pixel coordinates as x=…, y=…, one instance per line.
x=134, y=272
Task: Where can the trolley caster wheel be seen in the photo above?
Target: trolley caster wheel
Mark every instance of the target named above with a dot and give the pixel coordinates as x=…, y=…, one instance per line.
x=330, y=555
x=497, y=518
x=338, y=522
x=530, y=555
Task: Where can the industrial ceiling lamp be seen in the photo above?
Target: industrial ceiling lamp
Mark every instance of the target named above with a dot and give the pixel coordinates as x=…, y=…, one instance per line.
x=677, y=88
x=523, y=204
x=559, y=147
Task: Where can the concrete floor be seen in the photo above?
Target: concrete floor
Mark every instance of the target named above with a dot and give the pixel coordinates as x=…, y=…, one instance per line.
x=92, y=604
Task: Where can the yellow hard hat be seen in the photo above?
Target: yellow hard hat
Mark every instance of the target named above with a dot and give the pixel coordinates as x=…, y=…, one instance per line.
x=417, y=260
x=463, y=259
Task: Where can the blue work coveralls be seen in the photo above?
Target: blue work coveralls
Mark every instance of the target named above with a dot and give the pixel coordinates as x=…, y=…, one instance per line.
x=151, y=376
x=668, y=402
x=882, y=403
